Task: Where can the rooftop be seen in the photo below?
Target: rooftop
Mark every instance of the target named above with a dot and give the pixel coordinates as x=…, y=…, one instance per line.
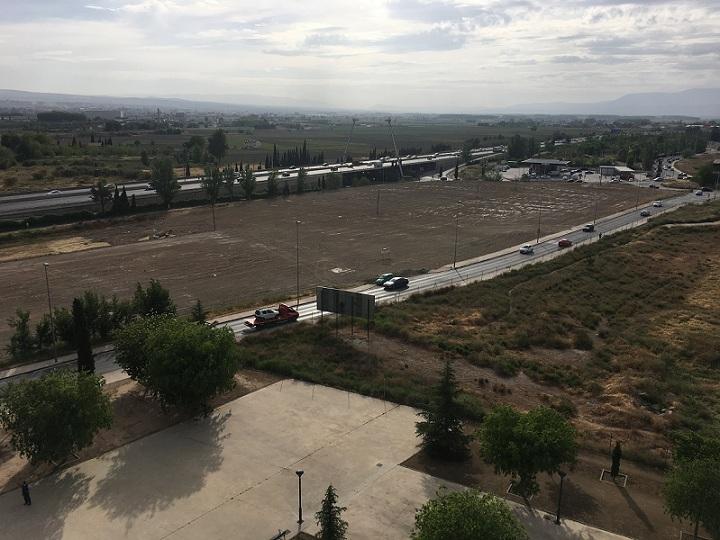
x=537, y=161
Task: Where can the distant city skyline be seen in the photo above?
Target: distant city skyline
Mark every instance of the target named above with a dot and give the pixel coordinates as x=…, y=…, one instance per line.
x=434, y=56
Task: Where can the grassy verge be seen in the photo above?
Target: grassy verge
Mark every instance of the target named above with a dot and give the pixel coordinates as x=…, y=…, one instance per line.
x=313, y=353
x=631, y=314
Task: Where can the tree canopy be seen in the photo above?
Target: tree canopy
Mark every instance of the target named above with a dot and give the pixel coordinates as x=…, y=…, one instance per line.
x=54, y=416
x=692, y=491
x=181, y=363
x=163, y=180
x=525, y=444
x=217, y=145
x=467, y=515
x=441, y=430
x=328, y=518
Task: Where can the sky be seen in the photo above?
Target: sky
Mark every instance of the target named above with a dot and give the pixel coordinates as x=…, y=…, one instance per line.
x=421, y=55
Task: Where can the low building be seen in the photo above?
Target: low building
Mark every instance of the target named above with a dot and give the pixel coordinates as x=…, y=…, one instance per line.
x=545, y=166
x=625, y=173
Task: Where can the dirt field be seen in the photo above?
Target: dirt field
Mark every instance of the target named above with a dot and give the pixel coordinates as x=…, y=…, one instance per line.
x=251, y=258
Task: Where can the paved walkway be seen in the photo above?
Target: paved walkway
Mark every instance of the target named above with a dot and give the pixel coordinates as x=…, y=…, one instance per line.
x=232, y=475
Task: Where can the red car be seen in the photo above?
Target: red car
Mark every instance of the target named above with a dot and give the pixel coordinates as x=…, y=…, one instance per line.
x=564, y=243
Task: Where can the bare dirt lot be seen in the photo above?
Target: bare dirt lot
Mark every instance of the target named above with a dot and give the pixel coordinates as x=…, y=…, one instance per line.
x=251, y=258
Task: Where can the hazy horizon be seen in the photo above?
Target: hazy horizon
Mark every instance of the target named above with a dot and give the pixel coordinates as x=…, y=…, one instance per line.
x=399, y=54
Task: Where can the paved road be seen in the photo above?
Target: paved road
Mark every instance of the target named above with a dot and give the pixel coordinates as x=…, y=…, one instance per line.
x=27, y=204
x=466, y=272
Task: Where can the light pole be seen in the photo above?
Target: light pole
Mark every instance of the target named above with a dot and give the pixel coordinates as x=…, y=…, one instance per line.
x=52, y=319
x=297, y=260
x=299, y=475
x=557, y=514
x=538, y=227
x=457, y=226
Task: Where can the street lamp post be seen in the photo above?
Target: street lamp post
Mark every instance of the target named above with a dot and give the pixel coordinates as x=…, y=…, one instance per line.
x=538, y=227
x=297, y=260
x=457, y=226
x=299, y=475
x=52, y=318
x=557, y=514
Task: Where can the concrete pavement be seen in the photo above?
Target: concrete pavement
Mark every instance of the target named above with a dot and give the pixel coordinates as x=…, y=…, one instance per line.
x=232, y=475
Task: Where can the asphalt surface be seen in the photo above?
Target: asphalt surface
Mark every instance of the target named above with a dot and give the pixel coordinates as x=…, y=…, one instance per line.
x=23, y=205
x=465, y=272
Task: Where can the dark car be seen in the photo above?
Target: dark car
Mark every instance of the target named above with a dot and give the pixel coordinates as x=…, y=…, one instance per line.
x=645, y=213
x=396, y=283
x=589, y=228
x=564, y=243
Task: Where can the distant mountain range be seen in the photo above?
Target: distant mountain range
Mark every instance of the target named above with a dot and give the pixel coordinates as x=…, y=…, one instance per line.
x=702, y=103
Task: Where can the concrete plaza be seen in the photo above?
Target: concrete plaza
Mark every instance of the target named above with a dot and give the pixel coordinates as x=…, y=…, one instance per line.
x=232, y=475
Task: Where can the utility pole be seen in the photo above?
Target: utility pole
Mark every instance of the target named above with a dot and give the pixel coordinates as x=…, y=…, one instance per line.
x=354, y=121
x=392, y=134
x=299, y=475
x=377, y=207
x=457, y=226
x=297, y=260
x=50, y=308
x=538, y=227
x=557, y=514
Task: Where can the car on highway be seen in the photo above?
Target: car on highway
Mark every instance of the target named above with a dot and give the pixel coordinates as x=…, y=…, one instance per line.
x=292, y=167
x=564, y=243
x=654, y=186
x=527, y=249
x=384, y=278
x=54, y=193
x=334, y=168
x=325, y=164
x=396, y=283
x=443, y=178
x=707, y=189
x=657, y=179
x=148, y=187
x=285, y=173
x=699, y=192
x=588, y=228
x=645, y=213
x=657, y=204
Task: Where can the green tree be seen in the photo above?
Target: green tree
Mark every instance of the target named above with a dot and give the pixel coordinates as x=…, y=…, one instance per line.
x=286, y=189
x=328, y=518
x=705, y=176
x=101, y=193
x=54, y=416
x=181, y=363
x=301, y=177
x=457, y=170
x=616, y=457
x=466, y=155
x=525, y=444
x=86, y=361
x=163, y=180
x=155, y=300
x=441, y=430
x=21, y=342
x=198, y=313
x=211, y=183
x=7, y=158
x=229, y=180
x=272, y=185
x=247, y=182
x=466, y=515
x=217, y=145
x=692, y=492
x=144, y=158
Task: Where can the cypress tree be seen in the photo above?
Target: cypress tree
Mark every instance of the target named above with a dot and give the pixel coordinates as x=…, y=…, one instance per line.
x=328, y=518
x=616, y=457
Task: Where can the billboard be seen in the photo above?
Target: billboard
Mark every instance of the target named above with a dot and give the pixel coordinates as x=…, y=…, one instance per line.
x=345, y=302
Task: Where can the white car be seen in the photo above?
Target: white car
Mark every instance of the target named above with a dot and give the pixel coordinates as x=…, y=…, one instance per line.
x=657, y=204
x=54, y=193
x=527, y=249
x=699, y=193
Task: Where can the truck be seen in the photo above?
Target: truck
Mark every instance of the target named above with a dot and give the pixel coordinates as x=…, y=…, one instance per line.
x=271, y=317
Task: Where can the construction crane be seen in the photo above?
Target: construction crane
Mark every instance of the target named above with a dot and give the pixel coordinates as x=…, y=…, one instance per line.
x=392, y=134
x=354, y=121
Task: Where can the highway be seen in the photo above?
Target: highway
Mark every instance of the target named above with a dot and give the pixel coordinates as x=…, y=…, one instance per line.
x=465, y=272
x=76, y=199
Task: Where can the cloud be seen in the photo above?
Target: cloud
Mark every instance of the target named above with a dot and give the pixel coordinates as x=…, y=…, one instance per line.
x=448, y=11
x=436, y=39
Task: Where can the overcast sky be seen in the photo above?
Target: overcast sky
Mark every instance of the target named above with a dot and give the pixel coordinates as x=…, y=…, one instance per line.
x=391, y=54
